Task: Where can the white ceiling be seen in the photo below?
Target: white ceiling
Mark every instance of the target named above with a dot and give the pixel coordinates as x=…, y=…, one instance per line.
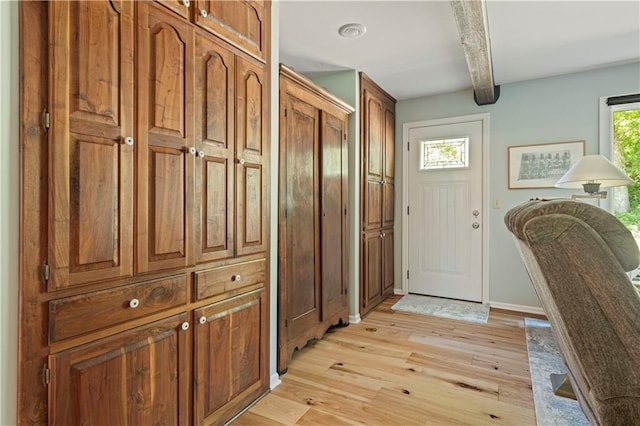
x=412, y=48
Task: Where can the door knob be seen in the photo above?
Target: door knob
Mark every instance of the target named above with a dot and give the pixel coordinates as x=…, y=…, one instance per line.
x=475, y=225
x=476, y=213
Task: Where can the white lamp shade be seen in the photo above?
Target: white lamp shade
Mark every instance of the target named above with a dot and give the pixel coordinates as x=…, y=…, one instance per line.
x=593, y=168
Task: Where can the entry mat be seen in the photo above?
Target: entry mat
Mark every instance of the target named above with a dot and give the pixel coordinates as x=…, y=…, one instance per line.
x=444, y=308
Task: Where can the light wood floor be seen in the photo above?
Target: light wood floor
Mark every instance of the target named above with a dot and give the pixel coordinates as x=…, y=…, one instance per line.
x=396, y=368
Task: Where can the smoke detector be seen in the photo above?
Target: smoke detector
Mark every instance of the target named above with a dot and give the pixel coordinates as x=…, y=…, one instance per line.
x=352, y=30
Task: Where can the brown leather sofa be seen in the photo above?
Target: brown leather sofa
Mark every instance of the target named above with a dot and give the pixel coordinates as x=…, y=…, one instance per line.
x=576, y=255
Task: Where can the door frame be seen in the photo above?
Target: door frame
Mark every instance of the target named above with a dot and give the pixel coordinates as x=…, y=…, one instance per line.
x=406, y=128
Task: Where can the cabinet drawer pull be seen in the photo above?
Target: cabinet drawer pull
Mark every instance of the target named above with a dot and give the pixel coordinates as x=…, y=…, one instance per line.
x=185, y=326
x=203, y=13
x=237, y=277
x=134, y=303
x=186, y=3
x=202, y=320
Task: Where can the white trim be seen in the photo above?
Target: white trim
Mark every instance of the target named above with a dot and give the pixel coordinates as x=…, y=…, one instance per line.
x=355, y=319
x=406, y=128
x=275, y=381
x=399, y=291
x=517, y=308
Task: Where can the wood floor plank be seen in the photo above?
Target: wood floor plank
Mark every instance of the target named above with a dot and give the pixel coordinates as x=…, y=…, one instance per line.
x=397, y=368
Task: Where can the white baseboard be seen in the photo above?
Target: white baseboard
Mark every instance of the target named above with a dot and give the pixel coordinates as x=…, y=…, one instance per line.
x=275, y=381
x=518, y=308
x=354, y=319
x=398, y=291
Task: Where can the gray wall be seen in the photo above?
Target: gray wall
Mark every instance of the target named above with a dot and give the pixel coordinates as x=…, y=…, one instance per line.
x=556, y=109
x=9, y=188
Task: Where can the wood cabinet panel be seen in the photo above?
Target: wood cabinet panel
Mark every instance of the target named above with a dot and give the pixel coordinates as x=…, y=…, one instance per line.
x=214, y=133
x=300, y=245
x=243, y=22
x=166, y=151
x=230, y=356
x=90, y=166
x=77, y=315
x=387, y=262
x=229, y=279
x=136, y=377
x=334, y=198
x=251, y=167
x=373, y=150
x=181, y=7
x=371, y=268
x=388, y=188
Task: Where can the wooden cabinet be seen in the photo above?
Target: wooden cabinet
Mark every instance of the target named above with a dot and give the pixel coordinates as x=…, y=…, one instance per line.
x=150, y=210
x=136, y=377
x=241, y=22
x=231, y=344
x=231, y=141
x=377, y=127
x=312, y=213
x=90, y=165
x=165, y=145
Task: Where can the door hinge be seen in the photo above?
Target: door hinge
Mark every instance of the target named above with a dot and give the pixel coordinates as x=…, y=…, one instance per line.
x=46, y=272
x=345, y=212
x=46, y=375
x=285, y=112
x=46, y=120
x=407, y=274
x=286, y=323
x=407, y=210
x=407, y=146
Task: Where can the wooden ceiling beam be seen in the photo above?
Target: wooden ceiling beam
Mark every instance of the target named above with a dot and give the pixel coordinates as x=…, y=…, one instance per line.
x=471, y=18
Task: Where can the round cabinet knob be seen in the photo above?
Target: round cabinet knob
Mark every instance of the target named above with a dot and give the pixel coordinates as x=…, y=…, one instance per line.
x=381, y=182
x=237, y=278
x=134, y=303
x=203, y=13
x=201, y=154
x=202, y=320
x=192, y=150
x=186, y=3
x=185, y=326
x=241, y=161
x=128, y=140
x=475, y=225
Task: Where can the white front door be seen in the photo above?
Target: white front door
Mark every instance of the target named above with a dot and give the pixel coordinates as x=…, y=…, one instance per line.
x=445, y=210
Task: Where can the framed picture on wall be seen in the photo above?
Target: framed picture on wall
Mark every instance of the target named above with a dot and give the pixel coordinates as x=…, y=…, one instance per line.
x=541, y=165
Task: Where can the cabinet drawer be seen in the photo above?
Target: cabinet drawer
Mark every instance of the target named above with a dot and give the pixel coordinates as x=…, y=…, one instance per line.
x=216, y=281
x=76, y=315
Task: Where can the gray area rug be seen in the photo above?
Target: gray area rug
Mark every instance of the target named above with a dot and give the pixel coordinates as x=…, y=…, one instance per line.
x=544, y=359
x=444, y=308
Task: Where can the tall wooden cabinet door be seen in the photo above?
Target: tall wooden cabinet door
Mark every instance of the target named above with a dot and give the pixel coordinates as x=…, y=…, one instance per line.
x=139, y=377
x=371, y=274
x=242, y=22
x=231, y=356
x=252, y=125
x=166, y=151
x=388, y=188
x=214, y=133
x=373, y=167
x=90, y=164
x=387, y=262
x=299, y=221
x=334, y=200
